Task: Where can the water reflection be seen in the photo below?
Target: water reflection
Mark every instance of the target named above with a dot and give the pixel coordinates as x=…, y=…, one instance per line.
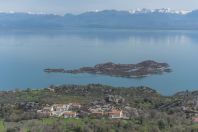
x=24, y=54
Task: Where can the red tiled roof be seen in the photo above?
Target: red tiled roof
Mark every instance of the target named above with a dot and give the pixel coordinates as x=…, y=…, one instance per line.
x=69, y=113
x=114, y=112
x=195, y=119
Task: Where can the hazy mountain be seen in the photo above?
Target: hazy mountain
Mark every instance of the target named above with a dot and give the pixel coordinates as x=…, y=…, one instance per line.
x=140, y=18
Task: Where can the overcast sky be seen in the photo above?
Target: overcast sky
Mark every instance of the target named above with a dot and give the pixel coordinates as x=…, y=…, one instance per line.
x=78, y=6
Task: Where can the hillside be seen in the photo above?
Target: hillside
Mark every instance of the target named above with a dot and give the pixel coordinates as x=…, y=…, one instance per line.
x=145, y=109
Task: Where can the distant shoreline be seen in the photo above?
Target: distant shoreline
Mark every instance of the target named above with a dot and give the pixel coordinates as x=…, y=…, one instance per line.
x=179, y=93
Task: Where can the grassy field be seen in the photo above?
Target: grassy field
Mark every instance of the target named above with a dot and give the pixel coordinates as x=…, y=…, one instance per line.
x=2, y=127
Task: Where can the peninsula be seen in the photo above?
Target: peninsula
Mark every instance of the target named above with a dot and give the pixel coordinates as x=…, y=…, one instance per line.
x=141, y=69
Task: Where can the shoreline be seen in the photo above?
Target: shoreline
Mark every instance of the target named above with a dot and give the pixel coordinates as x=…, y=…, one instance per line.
x=103, y=85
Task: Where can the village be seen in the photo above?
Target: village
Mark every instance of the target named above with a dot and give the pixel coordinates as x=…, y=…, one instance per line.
x=96, y=110
x=75, y=110
x=87, y=107
x=112, y=107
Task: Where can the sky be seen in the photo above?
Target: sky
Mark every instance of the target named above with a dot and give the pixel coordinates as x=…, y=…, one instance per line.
x=79, y=6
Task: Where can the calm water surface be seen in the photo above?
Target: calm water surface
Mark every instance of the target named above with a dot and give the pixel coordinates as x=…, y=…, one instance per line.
x=24, y=55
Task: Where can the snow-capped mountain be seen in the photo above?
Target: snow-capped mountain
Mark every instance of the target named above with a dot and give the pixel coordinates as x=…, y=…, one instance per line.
x=138, y=19
x=163, y=10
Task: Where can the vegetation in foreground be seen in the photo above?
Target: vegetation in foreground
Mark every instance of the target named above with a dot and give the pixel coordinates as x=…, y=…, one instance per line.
x=154, y=112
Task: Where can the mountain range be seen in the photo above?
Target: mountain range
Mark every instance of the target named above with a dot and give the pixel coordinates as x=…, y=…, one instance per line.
x=133, y=19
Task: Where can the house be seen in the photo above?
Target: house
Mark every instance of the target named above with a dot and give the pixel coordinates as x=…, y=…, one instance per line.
x=51, y=89
x=60, y=107
x=44, y=113
x=58, y=110
x=115, y=114
x=47, y=111
x=69, y=114
x=93, y=110
x=57, y=113
x=99, y=113
x=74, y=106
x=195, y=119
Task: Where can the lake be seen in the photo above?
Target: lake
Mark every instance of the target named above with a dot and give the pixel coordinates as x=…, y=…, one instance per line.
x=24, y=55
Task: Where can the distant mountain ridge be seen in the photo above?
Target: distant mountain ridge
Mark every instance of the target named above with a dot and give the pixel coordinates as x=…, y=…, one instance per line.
x=163, y=10
x=133, y=19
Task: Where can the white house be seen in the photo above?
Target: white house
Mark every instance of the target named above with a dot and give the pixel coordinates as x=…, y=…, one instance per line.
x=69, y=114
x=116, y=114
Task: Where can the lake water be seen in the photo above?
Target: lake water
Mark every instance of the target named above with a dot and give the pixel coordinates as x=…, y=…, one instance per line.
x=24, y=55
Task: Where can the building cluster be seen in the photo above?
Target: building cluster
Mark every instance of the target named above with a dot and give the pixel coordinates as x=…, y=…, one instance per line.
x=58, y=110
x=74, y=110
x=107, y=111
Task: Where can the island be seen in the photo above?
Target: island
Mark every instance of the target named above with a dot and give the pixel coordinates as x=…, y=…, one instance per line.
x=141, y=69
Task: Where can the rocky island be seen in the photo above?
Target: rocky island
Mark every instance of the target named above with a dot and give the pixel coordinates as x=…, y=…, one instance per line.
x=141, y=69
